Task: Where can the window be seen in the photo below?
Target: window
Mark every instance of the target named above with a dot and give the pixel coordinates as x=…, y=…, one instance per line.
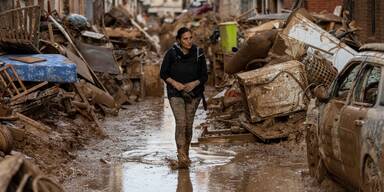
x=344, y=83
x=367, y=85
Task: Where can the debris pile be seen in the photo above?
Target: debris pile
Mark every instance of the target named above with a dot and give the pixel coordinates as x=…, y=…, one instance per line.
x=138, y=55
x=59, y=77
x=267, y=84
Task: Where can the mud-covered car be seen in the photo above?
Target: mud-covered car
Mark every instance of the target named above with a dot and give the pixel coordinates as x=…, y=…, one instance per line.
x=345, y=124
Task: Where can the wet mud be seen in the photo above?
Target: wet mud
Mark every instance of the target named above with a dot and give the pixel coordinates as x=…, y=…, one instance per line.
x=136, y=155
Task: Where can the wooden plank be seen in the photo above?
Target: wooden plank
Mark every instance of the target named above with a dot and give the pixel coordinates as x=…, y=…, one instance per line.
x=50, y=31
x=152, y=81
x=234, y=138
x=33, y=123
x=10, y=79
x=92, y=114
x=263, y=133
x=30, y=90
x=6, y=85
x=28, y=60
x=14, y=72
x=25, y=23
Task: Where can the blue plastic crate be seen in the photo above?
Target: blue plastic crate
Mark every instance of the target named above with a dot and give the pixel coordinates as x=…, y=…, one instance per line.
x=57, y=68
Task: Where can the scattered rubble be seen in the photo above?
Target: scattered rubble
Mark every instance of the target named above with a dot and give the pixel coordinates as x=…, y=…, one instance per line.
x=267, y=84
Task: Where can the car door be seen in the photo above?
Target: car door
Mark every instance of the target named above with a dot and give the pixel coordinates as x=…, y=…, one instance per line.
x=330, y=118
x=353, y=117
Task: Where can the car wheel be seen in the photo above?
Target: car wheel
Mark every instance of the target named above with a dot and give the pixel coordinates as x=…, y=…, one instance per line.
x=315, y=163
x=372, y=179
x=6, y=140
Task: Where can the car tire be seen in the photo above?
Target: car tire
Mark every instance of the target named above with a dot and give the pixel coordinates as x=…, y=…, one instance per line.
x=6, y=140
x=372, y=181
x=316, y=165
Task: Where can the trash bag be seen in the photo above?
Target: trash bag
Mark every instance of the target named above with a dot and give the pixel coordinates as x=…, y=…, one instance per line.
x=78, y=22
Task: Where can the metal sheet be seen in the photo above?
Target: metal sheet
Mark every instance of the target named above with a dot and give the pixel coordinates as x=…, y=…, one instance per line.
x=304, y=30
x=279, y=16
x=82, y=68
x=274, y=90
x=100, y=58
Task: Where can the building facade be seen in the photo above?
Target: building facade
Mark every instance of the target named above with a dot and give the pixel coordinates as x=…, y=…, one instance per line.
x=315, y=5
x=369, y=15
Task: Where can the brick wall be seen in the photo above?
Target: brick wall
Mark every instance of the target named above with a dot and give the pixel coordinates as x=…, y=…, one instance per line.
x=287, y=4
x=320, y=5
x=363, y=13
x=316, y=5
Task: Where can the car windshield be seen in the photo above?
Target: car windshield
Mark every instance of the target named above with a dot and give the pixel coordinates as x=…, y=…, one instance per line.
x=346, y=82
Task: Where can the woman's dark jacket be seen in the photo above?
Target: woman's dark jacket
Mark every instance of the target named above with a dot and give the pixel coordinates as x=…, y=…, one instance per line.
x=184, y=69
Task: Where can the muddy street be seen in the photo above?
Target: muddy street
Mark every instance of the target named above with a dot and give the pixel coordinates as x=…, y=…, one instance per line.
x=288, y=95
x=141, y=142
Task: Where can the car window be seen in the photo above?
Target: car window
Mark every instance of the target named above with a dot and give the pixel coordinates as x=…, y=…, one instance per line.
x=344, y=84
x=367, y=85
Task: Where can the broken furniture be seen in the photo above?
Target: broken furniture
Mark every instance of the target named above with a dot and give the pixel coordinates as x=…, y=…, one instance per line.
x=19, y=29
x=274, y=90
x=11, y=83
x=320, y=42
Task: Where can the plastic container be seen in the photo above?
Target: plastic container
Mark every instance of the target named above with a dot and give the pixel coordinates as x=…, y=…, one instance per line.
x=228, y=36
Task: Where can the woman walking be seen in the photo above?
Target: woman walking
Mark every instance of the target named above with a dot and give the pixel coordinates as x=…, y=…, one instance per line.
x=185, y=72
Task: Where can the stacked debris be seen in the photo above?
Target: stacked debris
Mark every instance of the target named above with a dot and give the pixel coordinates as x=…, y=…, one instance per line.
x=137, y=53
x=53, y=77
x=267, y=84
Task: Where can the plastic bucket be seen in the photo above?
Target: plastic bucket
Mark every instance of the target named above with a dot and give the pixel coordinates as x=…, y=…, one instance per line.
x=228, y=36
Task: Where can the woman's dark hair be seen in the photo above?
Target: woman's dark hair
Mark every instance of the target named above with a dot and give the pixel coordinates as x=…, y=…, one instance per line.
x=181, y=31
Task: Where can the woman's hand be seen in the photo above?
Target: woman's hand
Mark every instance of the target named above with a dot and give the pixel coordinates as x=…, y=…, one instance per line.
x=178, y=86
x=191, y=85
